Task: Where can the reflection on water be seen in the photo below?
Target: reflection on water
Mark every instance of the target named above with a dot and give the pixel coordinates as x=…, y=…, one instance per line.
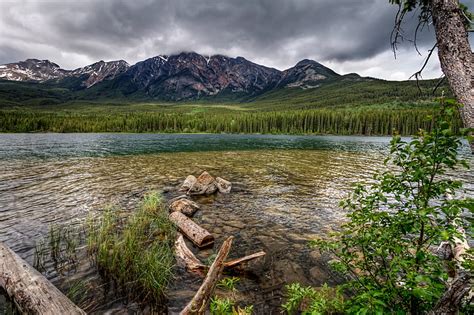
x=286, y=191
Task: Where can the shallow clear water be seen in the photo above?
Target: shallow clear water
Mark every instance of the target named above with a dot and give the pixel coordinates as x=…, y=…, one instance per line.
x=286, y=190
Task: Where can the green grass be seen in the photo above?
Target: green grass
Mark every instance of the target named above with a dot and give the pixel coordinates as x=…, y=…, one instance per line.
x=135, y=251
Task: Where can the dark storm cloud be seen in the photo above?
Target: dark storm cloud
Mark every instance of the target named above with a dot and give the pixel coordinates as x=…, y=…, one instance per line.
x=274, y=32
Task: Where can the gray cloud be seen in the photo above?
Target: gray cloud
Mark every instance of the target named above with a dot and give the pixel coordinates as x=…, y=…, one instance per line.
x=347, y=35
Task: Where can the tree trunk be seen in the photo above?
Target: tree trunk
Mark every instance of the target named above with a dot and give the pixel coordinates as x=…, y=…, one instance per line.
x=200, y=301
x=455, y=55
x=31, y=292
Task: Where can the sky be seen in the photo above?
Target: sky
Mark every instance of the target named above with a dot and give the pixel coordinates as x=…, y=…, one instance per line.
x=345, y=35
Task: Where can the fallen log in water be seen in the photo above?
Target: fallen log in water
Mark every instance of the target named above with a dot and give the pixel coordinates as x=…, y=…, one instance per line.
x=192, y=263
x=31, y=292
x=199, y=236
x=186, y=255
x=200, y=301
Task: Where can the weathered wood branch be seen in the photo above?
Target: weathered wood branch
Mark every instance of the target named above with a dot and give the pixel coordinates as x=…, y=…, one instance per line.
x=192, y=263
x=199, y=236
x=186, y=255
x=200, y=301
x=31, y=292
x=238, y=261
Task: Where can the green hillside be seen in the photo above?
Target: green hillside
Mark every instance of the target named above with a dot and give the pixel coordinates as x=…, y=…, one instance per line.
x=347, y=106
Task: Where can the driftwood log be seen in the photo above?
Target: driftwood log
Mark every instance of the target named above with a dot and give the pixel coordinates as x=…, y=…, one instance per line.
x=200, y=301
x=31, y=292
x=186, y=255
x=192, y=263
x=199, y=236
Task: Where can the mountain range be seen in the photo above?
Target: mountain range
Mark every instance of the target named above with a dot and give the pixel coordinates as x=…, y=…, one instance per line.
x=184, y=76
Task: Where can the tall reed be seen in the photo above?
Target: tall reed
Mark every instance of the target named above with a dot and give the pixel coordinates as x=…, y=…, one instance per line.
x=134, y=251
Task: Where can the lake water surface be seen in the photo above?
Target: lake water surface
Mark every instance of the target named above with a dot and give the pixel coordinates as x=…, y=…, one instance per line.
x=286, y=191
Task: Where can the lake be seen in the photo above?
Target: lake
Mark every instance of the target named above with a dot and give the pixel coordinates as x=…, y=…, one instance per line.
x=285, y=191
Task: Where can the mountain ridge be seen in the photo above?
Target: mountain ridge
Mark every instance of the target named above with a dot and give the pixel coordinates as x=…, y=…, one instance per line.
x=183, y=76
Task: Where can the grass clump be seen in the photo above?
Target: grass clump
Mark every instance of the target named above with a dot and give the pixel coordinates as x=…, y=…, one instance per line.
x=226, y=306
x=221, y=305
x=308, y=300
x=134, y=251
x=229, y=283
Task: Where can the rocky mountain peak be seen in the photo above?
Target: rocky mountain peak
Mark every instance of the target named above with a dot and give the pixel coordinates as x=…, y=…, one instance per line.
x=307, y=74
x=100, y=71
x=31, y=70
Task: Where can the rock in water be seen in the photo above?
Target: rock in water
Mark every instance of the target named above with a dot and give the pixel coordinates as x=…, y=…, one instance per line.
x=204, y=185
x=184, y=206
x=223, y=185
x=188, y=183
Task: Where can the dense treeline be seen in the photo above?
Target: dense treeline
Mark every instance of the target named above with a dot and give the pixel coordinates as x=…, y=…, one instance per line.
x=321, y=121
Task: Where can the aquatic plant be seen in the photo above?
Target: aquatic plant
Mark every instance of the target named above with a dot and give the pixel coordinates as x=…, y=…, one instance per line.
x=228, y=283
x=226, y=306
x=221, y=306
x=78, y=292
x=134, y=250
x=59, y=247
x=40, y=256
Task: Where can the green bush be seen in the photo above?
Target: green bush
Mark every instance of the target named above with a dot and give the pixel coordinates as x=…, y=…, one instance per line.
x=395, y=223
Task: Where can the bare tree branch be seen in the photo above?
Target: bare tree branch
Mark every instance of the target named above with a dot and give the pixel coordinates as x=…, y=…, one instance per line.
x=418, y=74
x=438, y=84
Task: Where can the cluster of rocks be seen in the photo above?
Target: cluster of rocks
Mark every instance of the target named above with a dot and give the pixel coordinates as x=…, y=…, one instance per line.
x=182, y=207
x=205, y=184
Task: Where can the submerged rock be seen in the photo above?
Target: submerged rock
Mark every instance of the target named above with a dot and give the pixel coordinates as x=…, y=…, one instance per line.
x=184, y=206
x=224, y=186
